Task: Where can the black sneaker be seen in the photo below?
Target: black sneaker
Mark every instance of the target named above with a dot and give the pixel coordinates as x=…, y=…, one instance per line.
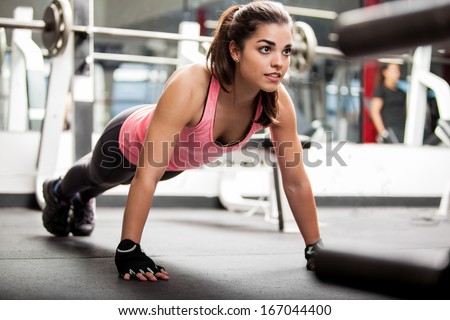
x=82, y=223
x=56, y=212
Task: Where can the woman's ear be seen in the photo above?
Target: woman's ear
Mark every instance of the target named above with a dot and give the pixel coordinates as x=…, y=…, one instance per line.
x=234, y=51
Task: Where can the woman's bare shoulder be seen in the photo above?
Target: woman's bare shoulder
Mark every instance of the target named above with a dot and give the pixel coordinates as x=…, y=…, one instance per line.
x=185, y=93
x=192, y=76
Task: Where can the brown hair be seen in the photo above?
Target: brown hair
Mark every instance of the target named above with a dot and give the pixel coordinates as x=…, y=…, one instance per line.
x=237, y=24
x=380, y=76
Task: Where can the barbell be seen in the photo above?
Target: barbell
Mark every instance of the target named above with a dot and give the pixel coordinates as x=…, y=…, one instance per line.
x=57, y=24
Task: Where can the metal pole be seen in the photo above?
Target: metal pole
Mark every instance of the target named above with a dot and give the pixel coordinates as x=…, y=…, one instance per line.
x=131, y=33
x=13, y=23
x=117, y=32
x=309, y=12
x=329, y=52
x=83, y=82
x=134, y=58
x=103, y=31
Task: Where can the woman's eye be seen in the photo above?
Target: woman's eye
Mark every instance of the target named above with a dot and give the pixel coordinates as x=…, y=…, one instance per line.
x=287, y=52
x=264, y=50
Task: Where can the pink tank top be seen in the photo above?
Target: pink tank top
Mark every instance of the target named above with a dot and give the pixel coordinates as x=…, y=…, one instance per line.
x=196, y=145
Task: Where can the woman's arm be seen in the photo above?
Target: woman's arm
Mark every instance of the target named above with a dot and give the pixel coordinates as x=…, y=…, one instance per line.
x=376, y=104
x=295, y=179
x=180, y=105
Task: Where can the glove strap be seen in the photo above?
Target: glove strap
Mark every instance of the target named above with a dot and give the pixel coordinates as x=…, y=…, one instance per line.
x=127, y=246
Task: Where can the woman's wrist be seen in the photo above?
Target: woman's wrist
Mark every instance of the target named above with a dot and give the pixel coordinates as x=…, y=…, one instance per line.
x=384, y=133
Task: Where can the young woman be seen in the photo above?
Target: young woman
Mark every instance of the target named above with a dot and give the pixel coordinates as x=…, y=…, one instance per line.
x=203, y=112
x=388, y=105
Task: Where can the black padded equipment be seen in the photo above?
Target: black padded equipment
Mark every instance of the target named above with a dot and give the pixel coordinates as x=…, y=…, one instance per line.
x=392, y=25
x=394, y=277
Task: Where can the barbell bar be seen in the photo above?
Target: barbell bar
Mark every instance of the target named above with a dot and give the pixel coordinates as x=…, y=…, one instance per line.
x=41, y=25
x=15, y=24
x=57, y=24
x=134, y=58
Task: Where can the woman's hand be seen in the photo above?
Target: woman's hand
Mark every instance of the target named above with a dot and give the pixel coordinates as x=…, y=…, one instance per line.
x=311, y=252
x=131, y=261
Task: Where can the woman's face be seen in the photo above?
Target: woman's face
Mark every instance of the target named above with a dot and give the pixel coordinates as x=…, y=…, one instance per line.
x=392, y=72
x=265, y=58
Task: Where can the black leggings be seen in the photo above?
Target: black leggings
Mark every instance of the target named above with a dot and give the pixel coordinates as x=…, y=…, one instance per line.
x=105, y=167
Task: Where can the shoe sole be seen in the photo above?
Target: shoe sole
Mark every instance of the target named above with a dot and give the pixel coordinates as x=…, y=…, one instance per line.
x=81, y=233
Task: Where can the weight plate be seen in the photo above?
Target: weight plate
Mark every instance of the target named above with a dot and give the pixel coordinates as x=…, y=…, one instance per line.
x=304, y=49
x=58, y=25
x=51, y=34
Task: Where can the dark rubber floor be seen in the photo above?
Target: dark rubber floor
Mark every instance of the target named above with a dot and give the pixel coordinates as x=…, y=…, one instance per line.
x=209, y=253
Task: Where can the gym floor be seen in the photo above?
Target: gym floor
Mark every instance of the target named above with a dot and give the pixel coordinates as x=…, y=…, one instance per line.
x=211, y=254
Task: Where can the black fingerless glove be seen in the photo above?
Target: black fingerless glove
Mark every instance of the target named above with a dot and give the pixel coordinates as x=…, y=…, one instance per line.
x=310, y=254
x=130, y=258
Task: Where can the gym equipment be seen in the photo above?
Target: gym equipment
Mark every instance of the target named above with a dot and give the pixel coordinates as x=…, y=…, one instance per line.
x=57, y=93
x=392, y=25
x=3, y=46
x=422, y=80
x=385, y=27
x=396, y=278
x=304, y=49
x=58, y=20
x=443, y=213
x=57, y=24
x=27, y=92
x=443, y=131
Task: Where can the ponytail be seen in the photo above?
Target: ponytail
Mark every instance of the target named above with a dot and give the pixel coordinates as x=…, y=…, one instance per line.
x=220, y=63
